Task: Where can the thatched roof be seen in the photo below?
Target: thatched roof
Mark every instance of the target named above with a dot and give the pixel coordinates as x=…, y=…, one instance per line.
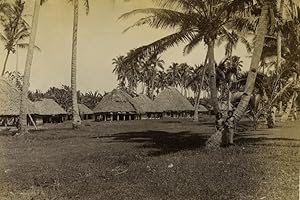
x=202, y=108
x=117, y=101
x=10, y=98
x=84, y=110
x=146, y=104
x=223, y=106
x=48, y=107
x=170, y=99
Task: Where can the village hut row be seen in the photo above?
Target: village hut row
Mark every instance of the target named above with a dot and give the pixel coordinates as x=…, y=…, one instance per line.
x=39, y=112
x=119, y=105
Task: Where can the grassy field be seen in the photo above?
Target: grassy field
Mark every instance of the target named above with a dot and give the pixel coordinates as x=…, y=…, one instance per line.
x=152, y=159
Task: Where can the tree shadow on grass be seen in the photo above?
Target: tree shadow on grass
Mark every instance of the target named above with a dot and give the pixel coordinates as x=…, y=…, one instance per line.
x=267, y=141
x=163, y=142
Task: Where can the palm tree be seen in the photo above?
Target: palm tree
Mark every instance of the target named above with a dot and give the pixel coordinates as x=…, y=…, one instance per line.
x=195, y=22
x=149, y=71
x=173, y=74
x=15, y=29
x=91, y=99
x=27, y=71
x=120, y=70
x=161, y=81
x=184, y=77
x=75, y=111
x=197, y=83
x=261, y=33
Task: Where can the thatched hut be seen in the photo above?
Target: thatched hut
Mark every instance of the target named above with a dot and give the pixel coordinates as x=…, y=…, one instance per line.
x=147, y=107
x=117, y=105
x=48, y=111
x=173, y=104
x=10, y=99
x=84, y=112
x=202, y=109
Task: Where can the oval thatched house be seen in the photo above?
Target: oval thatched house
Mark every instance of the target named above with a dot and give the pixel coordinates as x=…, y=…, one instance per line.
x=10, y=99
x=149, y=110
x=117, y=105
x=48, y=111
x=173, y=104
x=84, y=112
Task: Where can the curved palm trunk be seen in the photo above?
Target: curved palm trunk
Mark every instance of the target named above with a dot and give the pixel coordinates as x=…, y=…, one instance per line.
x=24, y=95
x=216, y=139
x=279, y=48
x=5, y=62
x=212, y=76
x=288, y=109
x=259, y=43
x=75, y=110
x=199, y=89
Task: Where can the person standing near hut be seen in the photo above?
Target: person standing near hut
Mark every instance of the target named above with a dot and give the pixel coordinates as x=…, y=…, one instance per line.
x=230, y=127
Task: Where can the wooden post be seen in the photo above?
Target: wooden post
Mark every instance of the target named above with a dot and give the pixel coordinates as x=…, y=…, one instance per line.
x=118, y=117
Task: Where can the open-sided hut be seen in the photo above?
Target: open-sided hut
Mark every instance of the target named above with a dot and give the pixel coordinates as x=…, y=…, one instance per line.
x=173, y=104
x=48, y=111
x=84, y=112
x=10, y=99
x=147, y=107
x=202, y=109
x=117, y=105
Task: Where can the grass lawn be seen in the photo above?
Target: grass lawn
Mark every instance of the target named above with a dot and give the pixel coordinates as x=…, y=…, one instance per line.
x=151, y=159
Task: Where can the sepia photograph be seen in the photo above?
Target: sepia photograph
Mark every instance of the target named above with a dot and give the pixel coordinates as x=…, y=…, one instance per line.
x=150, y=100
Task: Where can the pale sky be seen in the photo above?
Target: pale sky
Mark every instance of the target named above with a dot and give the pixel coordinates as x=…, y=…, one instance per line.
x=100, y=39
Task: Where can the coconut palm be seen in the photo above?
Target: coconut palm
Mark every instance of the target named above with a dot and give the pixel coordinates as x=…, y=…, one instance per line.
x=27, y=71
x=184, y=77
x=149, y=72
x=91, y=99
x=198, y=82
x=266, y=21
x=120, y=70
x=75, y=111
x=194, y=22
x=161, y=81
x=173, y=75
x=15, y=29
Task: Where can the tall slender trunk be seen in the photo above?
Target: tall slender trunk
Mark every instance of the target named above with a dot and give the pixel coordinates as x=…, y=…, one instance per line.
x=288, y=109
x=279, y=48
x=229, y=81
x=259, y=43
x=17, y=65
x=5, y=62
x=24, y=95
x=75, y=110
x=198, y=92
x=212, y=76
x=216, y=139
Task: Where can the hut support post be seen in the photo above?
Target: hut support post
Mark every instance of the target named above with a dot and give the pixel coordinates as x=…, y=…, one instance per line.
x=118, y=117
x=32, y=121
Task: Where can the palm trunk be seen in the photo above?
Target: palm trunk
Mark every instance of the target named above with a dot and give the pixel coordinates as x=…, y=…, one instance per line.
x=199, y=89
x=75, y=110
x=212, y=76
x=216, y=139
x=288, y=109
x=5, y=62
x=294, y=117
x=229, y=81
x=29, y=58
x=196, y=106
x=259, y=43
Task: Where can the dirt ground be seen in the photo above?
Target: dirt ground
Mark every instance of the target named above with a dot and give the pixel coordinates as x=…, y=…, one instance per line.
x=151, y=160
